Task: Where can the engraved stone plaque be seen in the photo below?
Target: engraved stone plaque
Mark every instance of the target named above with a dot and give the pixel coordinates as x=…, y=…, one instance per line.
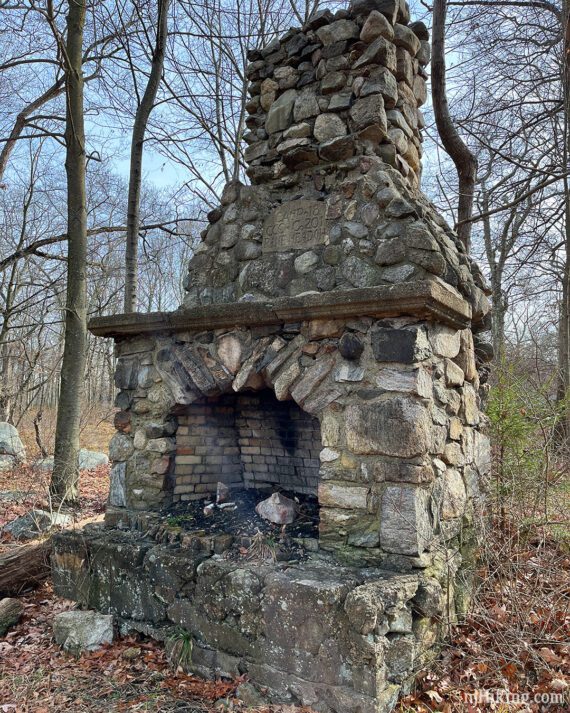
x=295, y=226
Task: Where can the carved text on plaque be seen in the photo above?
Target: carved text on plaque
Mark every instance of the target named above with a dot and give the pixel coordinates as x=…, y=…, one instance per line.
x=295, y=226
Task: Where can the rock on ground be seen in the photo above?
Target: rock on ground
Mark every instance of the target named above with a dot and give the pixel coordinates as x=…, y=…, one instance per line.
x=10, y=612
x=222, y=493
x=87, y=460
x=13, y=495
x=35, y=522
x=277, y=509
x=7, y=462
x=11, y=444
x=249, y=695
x=82, y=630
x=91, y=459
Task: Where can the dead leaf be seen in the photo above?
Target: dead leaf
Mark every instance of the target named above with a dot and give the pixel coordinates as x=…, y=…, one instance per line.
x=549, y=656
x=434, y=696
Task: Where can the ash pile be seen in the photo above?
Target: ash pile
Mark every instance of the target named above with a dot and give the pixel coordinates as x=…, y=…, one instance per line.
x=246, y=524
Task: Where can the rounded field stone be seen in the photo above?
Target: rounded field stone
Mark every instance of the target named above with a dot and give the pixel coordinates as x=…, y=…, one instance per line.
x=121, y=447
x=122, y=421
x=329, y=126
x=350, y=346
x=10, y=442
x=360, y=273
x=306, y=262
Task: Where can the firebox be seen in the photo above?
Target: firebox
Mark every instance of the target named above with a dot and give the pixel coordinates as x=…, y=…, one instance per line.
x=247, y=440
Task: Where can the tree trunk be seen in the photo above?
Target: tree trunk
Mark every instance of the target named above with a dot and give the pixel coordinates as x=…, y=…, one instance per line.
x=5, y=382
x=465, y=162
x=64, y=482
x=564, y=324
x=137, y=144
x=24, y=567
x=500, y=306
x=39, y=440
x=10, y=613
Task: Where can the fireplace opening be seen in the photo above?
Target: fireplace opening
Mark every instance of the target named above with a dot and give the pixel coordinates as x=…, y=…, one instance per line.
x=257, y=446
x=247, y=440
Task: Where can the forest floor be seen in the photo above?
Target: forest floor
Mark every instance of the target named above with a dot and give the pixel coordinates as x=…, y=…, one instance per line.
x=96, y=429
x=29, y=488
x=516, y=638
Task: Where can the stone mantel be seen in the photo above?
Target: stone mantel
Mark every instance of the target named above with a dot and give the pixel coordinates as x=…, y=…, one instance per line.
x=430, y=299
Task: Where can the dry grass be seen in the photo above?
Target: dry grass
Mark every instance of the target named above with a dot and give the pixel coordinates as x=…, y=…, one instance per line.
x=516, y=636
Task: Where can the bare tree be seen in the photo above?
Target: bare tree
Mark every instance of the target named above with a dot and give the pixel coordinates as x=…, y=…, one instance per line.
x=22, y=120
x=65, y=477
x=464, y=160
x=139, y=129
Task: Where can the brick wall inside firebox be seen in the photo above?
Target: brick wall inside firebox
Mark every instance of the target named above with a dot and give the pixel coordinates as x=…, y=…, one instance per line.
x=249, y=440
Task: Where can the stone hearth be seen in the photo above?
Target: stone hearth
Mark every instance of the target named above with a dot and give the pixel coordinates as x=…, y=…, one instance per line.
x=328, y=346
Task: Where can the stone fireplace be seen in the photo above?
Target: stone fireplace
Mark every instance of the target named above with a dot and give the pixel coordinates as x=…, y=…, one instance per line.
x=328, y=348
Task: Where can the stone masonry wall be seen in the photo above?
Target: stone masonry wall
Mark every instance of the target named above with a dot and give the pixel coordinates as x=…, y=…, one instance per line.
x=403, y=447
x=350, y=225
x=334, y=158
x=338, y=639
x=343, y=85
x=403, y=454
x=249, y=440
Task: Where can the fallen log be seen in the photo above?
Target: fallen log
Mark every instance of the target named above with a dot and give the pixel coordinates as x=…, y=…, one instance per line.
x=10, y=613
x=24, y=567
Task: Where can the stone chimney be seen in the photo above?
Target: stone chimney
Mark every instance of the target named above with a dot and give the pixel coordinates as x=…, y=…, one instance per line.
x=334, y=134
x=344, y=85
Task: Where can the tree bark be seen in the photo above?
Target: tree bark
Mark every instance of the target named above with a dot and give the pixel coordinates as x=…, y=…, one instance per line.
x=65, y=477
x=24, y=567
x=137, y=145
x=465, y=162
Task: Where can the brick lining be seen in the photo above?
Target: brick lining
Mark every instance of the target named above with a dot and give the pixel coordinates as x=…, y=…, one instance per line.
x=248, y=439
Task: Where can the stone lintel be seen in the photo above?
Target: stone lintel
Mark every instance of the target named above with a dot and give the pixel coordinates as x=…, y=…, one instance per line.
x=429, y=299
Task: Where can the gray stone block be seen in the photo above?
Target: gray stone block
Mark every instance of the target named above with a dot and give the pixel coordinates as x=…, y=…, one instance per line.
x=405, y=346
x=80, y=631
x=405, y=524
x=396, y=427
x=280, y=114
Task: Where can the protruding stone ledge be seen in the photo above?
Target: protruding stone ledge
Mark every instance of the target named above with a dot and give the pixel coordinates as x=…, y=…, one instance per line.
x=430, y=299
